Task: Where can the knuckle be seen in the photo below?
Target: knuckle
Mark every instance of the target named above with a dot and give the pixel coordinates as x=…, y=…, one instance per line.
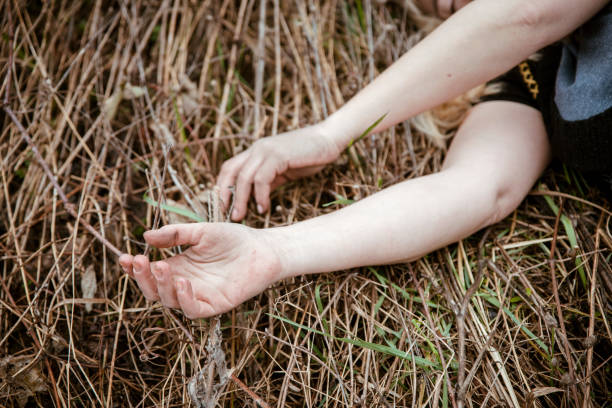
x=261, y=178
x=230, y=165
x=263, y=147
x=226, y=166
x=259, y=144
x=243, y=178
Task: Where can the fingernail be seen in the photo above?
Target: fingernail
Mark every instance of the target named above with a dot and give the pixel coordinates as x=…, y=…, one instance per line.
x=235, y=213
x=137, y=269
x=260, y=209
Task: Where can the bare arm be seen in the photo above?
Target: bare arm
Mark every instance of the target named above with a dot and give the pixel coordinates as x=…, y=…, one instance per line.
x=499, y=152
x=479, y=42
x=496, y=156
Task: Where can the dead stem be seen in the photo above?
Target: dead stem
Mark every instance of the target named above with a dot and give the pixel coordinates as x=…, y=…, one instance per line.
x=67, y=204
x=507, y=328
x=560, y=319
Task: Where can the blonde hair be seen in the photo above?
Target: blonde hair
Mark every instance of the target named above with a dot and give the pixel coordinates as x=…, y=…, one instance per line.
x=438, y=124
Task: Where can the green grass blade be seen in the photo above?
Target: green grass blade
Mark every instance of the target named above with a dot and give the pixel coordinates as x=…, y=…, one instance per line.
x=571, y=236
x=368, y=130
x=318, y=298
x=341, y=201
x=181, y=126
x=180, y=211
x=420, y=361
x=403, y=291
x=319, y=303
x=179, y=121
x=361, y=14
x=516, y=320
x=379, y=303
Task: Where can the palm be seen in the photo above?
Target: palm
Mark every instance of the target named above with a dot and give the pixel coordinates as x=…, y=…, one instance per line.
x=225, y=265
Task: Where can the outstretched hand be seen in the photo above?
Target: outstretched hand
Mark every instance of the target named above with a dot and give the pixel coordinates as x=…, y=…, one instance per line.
x=225, y=265
x=272, y=161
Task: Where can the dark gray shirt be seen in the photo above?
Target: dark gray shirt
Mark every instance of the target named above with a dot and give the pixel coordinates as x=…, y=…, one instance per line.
x=584, y=80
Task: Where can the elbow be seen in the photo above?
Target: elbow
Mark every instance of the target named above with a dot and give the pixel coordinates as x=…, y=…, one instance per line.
x=543, y=22
x=503, y=199
x=530, y=14
x=487, y=200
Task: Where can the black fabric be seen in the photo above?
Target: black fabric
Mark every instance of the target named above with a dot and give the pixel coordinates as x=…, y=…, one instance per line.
x=543, y=67
x=585, y=145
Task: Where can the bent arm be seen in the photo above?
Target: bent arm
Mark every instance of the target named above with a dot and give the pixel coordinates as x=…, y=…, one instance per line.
x=497, y=155
x=481, y=41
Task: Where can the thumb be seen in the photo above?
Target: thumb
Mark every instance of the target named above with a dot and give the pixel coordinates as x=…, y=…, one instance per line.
x=174, y=235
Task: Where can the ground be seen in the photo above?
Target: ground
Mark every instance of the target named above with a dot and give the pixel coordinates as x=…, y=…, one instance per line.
x=133, y=103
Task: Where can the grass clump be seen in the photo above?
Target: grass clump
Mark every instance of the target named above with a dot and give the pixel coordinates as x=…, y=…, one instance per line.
x=476, y=323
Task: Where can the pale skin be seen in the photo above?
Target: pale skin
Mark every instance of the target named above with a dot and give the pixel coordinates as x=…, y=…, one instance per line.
x=498, y=153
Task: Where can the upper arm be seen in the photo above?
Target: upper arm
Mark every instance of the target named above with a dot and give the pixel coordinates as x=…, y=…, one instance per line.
x=550, y=20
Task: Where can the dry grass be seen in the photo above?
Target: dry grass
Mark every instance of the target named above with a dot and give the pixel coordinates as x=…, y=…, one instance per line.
x=515, y=316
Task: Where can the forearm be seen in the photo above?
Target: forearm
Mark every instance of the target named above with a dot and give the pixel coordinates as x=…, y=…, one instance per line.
x=479, y=42
x=499, y=151
x=400, y=223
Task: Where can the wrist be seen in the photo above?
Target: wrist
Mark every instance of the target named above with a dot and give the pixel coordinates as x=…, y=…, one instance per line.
x=282, y=242
x=338, y=130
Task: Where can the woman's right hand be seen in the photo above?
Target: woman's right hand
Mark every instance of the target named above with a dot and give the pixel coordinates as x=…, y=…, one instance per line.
x=272, y=161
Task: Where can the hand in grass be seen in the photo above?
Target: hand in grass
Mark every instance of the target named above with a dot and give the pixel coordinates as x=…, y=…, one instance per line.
x=225, y=265
x=272, y=161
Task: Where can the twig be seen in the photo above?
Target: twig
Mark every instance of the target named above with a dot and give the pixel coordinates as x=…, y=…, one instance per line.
x=569, y=197
x=461, y=322
x=553, y=278
x=221, y=114
x=277, y=68
x=590, y=340
x=69, y=206
x=436, y=335
x=370, y=41
x=10, y=59
x=466, y=382
x=260, y=65
x=256, y=398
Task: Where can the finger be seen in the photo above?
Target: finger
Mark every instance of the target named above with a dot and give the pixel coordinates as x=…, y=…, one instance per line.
x=192, y=307
x=227, y=176
x=174, y=235
x=243, y=188
x=458, y=4
x=445, y=8
x=165, y=284
x=293, y=174
x=126, y=260
x=262, y=183
x=278, y=181
x=144, y=278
